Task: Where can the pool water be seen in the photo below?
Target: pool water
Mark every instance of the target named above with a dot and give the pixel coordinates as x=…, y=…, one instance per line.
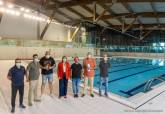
x=128, y=76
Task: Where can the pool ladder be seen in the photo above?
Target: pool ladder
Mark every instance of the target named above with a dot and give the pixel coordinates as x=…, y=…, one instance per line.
x=148, y=84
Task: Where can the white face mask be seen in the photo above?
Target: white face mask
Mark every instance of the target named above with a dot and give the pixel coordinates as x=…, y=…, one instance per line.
x=89, y=56
x=47, y=56
x=18, y=65
x=36, y=60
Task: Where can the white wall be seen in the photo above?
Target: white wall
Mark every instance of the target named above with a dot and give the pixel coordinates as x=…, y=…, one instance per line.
x=12, y=52
x=20, y=27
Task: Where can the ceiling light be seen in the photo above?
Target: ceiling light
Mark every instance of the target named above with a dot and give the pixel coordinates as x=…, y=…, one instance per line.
x=2, y=9
x=27, y=10
x=1, y=3
x=22, y=9
x=10, y=5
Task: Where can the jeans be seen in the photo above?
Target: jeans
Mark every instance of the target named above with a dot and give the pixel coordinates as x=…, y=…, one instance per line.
x=75, y=85
x=14, y=94
x=63, y=85
x=48, y=77
x=33, y=87
x=103, y=80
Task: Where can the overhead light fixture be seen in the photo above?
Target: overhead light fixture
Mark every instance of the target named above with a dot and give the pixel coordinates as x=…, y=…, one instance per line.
x=17, y=13
x=27, y=10
x=1, y=3
x=22, y=9
x=2, y=9
x=10, y=5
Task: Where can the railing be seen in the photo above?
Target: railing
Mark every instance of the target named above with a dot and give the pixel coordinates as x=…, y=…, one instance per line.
x=149, y=83
x=138, y=49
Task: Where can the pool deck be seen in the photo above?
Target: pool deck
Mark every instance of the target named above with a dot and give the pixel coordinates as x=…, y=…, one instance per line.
x=86, y=105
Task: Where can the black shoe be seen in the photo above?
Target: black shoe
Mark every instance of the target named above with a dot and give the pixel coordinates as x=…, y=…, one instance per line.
x=65, y=97
x=22, y=106
x=100, y=94
x=74, y=95
x=82, y=95
x=30, y=104
x=92, y=95
x=12, y=110
x=77, y=95
x=106, y=94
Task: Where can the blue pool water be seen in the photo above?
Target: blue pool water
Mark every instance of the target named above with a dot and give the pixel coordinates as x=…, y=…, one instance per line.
x=128, y=76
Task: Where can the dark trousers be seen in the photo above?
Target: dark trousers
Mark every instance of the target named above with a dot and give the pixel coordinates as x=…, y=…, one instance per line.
x=14, y=94
x=63, y=84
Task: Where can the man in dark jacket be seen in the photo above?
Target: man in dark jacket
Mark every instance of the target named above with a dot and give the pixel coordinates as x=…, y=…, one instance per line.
x=104, y=66
x=16, y=75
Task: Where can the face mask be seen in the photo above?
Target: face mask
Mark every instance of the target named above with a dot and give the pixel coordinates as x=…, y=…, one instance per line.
x=47, y=56
x=64, y=60
x=18, y=65
x=105, y=59
x=89, y=56
x=36, y=60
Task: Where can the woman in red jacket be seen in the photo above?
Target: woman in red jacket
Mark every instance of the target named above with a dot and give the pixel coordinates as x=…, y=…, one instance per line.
x=63, y=72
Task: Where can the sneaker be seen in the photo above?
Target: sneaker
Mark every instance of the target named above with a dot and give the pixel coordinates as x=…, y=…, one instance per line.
x=37, y=100
x=12, y=110
x=30, y=104
x=52, y=95
x=100, y=94
x=92, y=95
x=83, y=95
x=65, y=97
x=22, y=106
x=77, y=95
x=74, y=95
x=106, y=94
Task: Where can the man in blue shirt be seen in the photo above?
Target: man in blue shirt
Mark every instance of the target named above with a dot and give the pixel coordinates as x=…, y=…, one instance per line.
x=16, y=75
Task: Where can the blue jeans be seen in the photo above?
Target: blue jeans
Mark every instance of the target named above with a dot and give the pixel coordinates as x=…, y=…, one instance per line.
x=48, y=77
x=103, y=80
x=63, y=86
x=75, y=85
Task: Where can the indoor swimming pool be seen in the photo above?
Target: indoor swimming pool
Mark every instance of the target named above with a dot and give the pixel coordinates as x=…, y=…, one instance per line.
x=130, y=76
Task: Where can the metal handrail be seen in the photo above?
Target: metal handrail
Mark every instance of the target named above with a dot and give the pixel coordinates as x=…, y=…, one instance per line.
x=149, y=83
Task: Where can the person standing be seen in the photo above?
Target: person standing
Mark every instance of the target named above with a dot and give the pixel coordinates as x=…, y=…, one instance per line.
x=16, y=75
x=89, y=65
x=76, y=69
x=32, y=76
x=63, y=72
x=47, y=65
x=104, y=66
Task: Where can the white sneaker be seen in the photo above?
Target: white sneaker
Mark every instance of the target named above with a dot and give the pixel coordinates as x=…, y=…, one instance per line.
x=52, y=95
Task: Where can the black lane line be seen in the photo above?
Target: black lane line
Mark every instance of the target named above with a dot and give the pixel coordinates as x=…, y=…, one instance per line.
x=131, y=90
x=134, y=74
x=126, y=69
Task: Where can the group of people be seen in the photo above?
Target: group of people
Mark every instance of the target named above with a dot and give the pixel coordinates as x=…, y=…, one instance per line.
x=65, y=72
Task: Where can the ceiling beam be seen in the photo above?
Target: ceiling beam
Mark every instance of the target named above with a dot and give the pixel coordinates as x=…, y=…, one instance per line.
x=85, y=2
x=128, y=7
x=111, y=12
x=47, y=26
x=155, y=12
x=126, y=15
x=91, y=12
x=129, y=26
x=75, y=12
x=137, y=26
